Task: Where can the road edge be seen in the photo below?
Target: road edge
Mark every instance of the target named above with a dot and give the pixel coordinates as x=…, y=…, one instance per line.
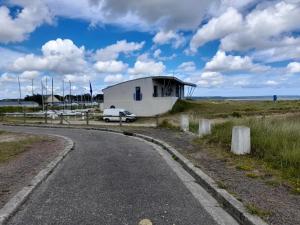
x=11, y=207
x=230, y=204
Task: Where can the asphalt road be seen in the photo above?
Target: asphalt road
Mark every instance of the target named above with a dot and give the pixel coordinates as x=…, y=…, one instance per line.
x=110, y=179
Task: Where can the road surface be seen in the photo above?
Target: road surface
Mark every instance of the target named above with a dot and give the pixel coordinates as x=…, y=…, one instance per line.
x=110, y=179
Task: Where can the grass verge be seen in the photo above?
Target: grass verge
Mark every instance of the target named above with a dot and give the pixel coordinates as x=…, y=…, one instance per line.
x=11, y=149
x=275, y=144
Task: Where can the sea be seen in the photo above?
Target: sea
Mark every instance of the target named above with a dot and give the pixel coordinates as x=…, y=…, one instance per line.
x=245, y=98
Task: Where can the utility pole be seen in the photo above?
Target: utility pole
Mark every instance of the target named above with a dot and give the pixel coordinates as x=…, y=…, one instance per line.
x=32, y=87
x=64, y=93
x=70, y=95
x=19, y=90
x=42, y=95
x=52, y=91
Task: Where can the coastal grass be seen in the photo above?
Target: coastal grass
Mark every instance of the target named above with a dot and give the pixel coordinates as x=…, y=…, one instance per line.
x=236, y=109
x=275, y=142
x=10, y=149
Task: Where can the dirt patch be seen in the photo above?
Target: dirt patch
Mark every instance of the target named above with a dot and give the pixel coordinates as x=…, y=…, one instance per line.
x=275, y=203
x=19, y=171
x=12, y=137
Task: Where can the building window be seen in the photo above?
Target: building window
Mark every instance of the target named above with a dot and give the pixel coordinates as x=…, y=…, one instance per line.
x=177, y=90
x=137, y=95
x=155, y=94
x=162, y=92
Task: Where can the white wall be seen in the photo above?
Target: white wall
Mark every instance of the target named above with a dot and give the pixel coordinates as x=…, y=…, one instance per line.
x=121, y=96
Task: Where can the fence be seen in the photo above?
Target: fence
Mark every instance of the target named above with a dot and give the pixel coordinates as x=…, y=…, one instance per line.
x=75, y=118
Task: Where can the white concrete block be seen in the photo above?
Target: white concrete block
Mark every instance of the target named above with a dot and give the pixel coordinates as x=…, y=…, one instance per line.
x=204, y=127
x=184, y=123
x=240, y=142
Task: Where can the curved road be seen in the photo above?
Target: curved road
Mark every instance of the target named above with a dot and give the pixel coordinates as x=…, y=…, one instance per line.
x=111, y=179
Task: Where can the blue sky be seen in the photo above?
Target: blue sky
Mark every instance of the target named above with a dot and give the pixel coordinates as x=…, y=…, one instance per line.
x=226, y=47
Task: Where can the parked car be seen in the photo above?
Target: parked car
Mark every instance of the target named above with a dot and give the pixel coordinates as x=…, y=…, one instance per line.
x=113, y=114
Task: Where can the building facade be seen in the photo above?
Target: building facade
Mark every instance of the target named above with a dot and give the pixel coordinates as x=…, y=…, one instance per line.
x=147, y=96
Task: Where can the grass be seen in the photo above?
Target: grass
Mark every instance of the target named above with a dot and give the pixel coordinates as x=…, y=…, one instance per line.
x=11, y=149
x=254, y=210
x=224, y=109
x=274, y=142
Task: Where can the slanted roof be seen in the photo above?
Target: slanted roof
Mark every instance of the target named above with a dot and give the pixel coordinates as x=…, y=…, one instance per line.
x=156, y=78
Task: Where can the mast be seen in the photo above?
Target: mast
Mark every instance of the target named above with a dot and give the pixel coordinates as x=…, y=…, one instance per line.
x=63, y=93
x=70, y=95
x=52, y=91
x=19, y=90
x=42, y=95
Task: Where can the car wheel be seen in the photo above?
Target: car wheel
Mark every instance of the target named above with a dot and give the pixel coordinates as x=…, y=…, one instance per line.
x=106, y=120
x=127, y=120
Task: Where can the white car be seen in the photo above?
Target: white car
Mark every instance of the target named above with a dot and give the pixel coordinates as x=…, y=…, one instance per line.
x=114, y=115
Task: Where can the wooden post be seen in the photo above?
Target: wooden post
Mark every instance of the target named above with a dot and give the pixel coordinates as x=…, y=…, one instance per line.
x=120, y=119
x=46, y=117
x=87, y=118
x=61, y=118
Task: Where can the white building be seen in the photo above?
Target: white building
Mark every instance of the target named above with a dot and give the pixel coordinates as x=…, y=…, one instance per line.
x=146, y=96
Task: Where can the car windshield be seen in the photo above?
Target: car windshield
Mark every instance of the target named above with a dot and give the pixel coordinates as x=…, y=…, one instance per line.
x=127, y=113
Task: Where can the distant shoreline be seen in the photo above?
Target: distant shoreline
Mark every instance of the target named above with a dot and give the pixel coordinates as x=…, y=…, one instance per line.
x=246, y=98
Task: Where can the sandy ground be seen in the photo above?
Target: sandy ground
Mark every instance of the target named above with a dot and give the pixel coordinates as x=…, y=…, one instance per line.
x=18, y=172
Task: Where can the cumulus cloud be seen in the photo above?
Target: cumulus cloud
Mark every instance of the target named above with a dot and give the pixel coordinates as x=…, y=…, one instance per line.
x=230, y=21
x=112, y=52
x=136, y=14
x=293, y=67
x=209, y=79
x=263, y=25
x=29, y=75
x=112, y=66
x=167, y=37
x=115, y=78
x=187, y=67
x=32, y=15
x=60, y=55
x=229, y=63
x=147, y=68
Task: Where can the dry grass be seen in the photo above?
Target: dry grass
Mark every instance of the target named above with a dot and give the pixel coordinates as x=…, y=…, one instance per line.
x=11, y=149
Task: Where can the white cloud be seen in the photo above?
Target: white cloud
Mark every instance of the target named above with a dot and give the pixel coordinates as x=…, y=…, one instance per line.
x=77, y=78
x=157, y=53
x=29, y=75
x=112, y=66
x=229, y=63
x=15, y=29
x=287, y=48
x=293, y=67
x=136, y=14
x=60, y=55
x=7, y=57
x=112, y=52
x=230, y=21
x=209, y=79
x=263, y=25
x=147, y=68
x=167, y=37
x=187, y=67
x=116, y=78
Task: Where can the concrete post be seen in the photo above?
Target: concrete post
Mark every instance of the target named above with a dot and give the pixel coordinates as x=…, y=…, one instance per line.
x=204, y=127
x=184, y=123
x=240, y=142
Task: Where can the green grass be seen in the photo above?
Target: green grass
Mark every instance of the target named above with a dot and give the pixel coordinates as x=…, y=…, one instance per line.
x=276, y=142
x=224, y=109
x=11, y=149
x=254, y=210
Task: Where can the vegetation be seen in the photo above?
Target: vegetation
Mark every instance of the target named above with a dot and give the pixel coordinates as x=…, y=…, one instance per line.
x=10, y=149
x=275, y=142
x=224, y=109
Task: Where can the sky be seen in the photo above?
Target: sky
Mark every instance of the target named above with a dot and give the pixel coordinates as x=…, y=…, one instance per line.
x=226, y=47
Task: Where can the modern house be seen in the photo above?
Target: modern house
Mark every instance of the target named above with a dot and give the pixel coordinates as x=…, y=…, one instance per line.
x=146, y=96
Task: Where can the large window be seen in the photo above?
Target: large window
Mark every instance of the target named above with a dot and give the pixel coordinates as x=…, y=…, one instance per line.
x=155, y=94
x=137, y=95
